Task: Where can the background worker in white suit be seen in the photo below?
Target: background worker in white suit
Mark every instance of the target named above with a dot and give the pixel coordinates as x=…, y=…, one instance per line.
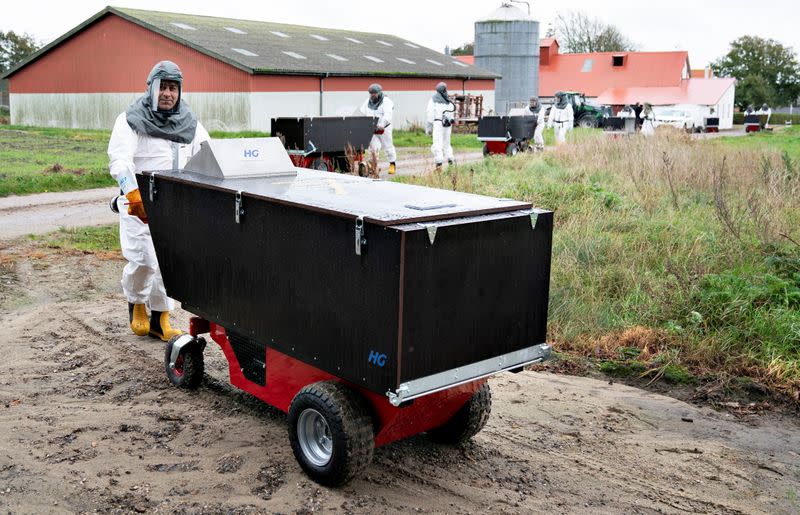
x=381, y=107
x=441, y=115
x=562, y=117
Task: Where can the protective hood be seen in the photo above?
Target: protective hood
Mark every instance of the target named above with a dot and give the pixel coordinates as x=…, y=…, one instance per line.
x=561, y=100
x=764, y=107
x=178, y=124
x=441, y=97
x=538, y=107
x=375, y=88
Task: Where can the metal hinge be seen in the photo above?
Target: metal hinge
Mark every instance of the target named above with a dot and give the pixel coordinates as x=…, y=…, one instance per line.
x=152, y=186
x=238, y=206
x=360, y=239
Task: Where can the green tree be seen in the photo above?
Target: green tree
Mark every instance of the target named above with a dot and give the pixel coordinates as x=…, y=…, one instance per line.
x=14, y=48
x=756, y=62
x=465, y=49
x=577, y=32
x=754, y=90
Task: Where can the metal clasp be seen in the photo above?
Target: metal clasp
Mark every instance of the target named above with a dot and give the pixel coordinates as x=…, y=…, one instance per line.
x=152, y=186
x=238, y=206
x=360, y=239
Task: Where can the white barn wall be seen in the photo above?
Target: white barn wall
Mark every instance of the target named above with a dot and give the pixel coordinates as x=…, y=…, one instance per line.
x=221, y=111
x=724, y=108
x=69, y=110
x=267, y=105
x=216, y=111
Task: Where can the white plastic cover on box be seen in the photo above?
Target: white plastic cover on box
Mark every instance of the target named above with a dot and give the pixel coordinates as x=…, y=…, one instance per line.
x=242, y=158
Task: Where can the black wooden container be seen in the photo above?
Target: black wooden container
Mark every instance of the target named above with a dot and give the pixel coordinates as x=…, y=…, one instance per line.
x=325, y=133
x=506, y=127
x=378, y=283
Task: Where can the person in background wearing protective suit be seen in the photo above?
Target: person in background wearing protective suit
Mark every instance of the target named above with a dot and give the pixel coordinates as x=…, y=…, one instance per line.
x=158, y=131
x=381, y=107
x=441, y=115
x=535, y=107
x=562, y=118
x=765, y=110
x=648, y=117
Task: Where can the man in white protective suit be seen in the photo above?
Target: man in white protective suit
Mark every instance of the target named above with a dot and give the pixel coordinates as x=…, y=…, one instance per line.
x=381, y=107
x=562, y=118
x=535, y=108
x=441, y=115
x=158, y=131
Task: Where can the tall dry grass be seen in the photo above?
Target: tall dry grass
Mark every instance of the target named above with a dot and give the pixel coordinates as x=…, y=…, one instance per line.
x=691, y=242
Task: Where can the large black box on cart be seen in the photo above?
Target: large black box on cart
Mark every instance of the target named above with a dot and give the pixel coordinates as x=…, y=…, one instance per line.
x=517, y=128
x=383, y=284
x=325, y=133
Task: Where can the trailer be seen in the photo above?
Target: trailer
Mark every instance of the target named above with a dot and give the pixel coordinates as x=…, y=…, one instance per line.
x=368, y=311
x=711, y=124
x=506, y=134
x=754, y=122
x=327, y=143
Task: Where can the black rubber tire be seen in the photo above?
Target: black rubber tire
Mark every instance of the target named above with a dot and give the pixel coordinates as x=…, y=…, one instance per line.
x=511, y=148
x=321, y=165
x=485, y=149
x=468, y=421
x=362, y=169
x=189, y=367
x=588, y=121
x=352, y=433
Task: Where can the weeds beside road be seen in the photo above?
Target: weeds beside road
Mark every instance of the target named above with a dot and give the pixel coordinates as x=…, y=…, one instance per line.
x=672, y=258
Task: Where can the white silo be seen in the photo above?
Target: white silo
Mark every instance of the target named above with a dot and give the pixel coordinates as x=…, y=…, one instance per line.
x=507, y=43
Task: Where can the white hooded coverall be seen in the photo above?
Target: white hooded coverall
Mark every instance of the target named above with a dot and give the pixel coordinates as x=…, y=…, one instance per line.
x=562, y=120
x=130, y=152
x=538, y=132
x=384, y=113
x=441, y=147
x=648, y=123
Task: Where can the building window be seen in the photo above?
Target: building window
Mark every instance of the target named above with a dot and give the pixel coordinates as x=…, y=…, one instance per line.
x=618, y=60
x=587, y=65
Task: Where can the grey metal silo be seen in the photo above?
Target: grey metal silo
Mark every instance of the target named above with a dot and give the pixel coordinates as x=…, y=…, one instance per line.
x=507, y=43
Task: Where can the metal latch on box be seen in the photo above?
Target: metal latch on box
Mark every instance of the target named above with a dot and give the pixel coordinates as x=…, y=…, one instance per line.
x=360, y=240
x=152, y=186
x=238, y=206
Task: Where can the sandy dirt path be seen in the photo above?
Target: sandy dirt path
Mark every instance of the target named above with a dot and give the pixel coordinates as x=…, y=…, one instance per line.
x=88, y=421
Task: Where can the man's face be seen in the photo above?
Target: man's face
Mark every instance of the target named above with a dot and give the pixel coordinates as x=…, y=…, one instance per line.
x=168, y=95
x=534, y=103
x=374, y=97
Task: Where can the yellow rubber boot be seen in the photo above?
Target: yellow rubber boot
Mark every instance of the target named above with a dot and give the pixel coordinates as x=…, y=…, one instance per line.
x=392, y=168
x=137, y=315
x=160, y=328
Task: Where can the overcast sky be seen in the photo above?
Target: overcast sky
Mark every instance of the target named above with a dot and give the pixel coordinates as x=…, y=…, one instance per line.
x=704, y=28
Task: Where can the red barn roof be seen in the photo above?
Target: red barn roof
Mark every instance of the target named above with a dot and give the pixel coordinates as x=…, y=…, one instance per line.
x=689, y=91
x=594, y=73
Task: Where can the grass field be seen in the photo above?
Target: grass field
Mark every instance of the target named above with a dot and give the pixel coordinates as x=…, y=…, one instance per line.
x=672, y=258
x=36, y=159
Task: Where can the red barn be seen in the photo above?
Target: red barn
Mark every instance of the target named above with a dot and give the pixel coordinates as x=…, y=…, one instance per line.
x=238, y=73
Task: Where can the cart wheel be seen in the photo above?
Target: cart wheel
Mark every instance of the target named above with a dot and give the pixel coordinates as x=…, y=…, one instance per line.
x=331, y=433
x=187, y=371
x=485, y=149
x=362, y=169
x=320, y=164
x=468, y=421
x=511, y=148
